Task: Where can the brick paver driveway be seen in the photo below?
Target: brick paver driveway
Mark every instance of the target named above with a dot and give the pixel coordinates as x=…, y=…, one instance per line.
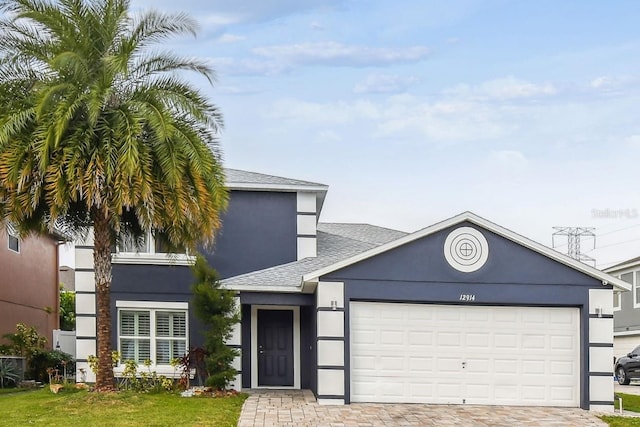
x=299, y=408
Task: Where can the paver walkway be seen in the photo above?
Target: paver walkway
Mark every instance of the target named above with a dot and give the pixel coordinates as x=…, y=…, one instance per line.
x=299, y=408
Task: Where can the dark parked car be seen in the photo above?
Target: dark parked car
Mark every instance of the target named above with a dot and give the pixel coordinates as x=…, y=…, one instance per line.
x=628, y=367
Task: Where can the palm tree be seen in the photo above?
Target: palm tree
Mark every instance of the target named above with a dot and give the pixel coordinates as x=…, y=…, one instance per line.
x=98, y=129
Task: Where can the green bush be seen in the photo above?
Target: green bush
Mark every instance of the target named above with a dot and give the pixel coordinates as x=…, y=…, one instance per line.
x=216, y=308
x=67, y=310
x=9, y=372
x=49, y=365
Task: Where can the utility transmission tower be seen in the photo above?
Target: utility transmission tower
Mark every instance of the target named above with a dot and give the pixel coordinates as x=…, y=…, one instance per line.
x=573, y=235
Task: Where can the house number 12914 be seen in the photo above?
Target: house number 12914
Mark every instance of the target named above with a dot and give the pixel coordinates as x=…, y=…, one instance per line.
x=467, y=297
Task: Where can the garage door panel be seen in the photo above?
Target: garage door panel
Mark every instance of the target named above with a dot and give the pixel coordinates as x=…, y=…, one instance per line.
x=505, y=341
x=449, y=339
x=512, y=355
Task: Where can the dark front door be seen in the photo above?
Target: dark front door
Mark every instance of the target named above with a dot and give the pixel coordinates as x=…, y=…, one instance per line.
x=275, y=348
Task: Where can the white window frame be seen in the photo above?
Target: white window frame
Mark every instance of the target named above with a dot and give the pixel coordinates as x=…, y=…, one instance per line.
x=152, y=257
x=618, y=296
x=11, y=234
x=153, y=307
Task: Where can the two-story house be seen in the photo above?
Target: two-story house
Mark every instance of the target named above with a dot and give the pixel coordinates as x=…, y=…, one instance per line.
x=29, y=286
x=461, y=312
x=626, y=307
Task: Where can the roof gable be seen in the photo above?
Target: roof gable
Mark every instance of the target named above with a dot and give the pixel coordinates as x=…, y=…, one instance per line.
x=482, y=224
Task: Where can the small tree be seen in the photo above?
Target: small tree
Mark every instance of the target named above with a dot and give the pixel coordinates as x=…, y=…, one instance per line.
x=67, y=310
x=216, y=308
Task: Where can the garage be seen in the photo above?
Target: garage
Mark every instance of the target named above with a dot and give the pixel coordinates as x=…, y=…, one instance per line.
x=457, y=354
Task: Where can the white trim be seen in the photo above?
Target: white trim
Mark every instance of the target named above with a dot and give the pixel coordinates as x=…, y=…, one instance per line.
x=151, y=258
x=165, y=370
x=160, y=305
x=152, y=307
x=626, y=333
x=621, y=269
x=481, y=222
x=263, y=288
x=248, y=186
x=254, y=343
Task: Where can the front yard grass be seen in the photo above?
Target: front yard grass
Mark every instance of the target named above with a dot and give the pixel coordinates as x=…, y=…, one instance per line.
x=630, y=402
x=82, y=408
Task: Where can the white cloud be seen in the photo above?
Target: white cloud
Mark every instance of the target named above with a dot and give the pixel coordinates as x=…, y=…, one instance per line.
x=399, y=117
x=503, y=89
x=633, y=141
x=230, y=38
x=601, y=81
x=247, y=66
x=323, y=114
x=327, y=136
x=338, y=54
x=512, y=159
x=246, y=11
x=384, y=83
x=316, y=26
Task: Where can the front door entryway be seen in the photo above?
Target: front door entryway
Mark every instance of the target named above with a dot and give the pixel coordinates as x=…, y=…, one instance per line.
x=275, y=348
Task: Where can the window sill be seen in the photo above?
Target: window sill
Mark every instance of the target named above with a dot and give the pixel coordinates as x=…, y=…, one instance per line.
x=154, y=259
x=164, y=370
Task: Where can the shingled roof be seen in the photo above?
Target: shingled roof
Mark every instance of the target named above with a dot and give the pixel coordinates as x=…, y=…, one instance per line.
x=336, y=242
x=237, y=176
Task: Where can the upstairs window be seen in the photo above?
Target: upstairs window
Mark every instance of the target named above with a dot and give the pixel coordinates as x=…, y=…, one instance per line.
x=149, y=249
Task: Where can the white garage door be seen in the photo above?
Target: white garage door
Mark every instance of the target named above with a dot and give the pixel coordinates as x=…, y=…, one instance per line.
x=418, y=353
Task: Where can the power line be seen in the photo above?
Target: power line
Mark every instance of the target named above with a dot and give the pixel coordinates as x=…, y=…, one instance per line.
x=574, y=235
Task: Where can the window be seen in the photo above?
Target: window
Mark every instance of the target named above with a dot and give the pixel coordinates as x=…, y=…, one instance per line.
x=629, y=278
x=148, y=249
x=156, y=334
x=13, y=239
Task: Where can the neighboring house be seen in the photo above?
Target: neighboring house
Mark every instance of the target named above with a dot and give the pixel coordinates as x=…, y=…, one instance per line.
x=626, y=307
x=463, y=311
x=67, y=277
x=29, y=282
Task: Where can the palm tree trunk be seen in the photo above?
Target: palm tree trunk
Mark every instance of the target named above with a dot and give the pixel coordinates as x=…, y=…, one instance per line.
x=102, y=265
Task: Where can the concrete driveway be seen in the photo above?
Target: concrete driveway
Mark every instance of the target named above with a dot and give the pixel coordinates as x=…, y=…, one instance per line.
x=633, y=388
x=299, y=408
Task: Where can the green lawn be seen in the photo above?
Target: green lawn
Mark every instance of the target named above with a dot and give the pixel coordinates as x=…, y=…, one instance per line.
x=82, y=408
x=630, y=402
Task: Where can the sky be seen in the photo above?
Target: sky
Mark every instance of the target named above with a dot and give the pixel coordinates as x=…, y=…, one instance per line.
x=523, y=112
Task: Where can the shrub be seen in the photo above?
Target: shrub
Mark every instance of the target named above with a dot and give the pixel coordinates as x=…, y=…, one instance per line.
x=25, y=342
x=9, y=372
x=51, y=365
x=67, y=310
x=217, y=310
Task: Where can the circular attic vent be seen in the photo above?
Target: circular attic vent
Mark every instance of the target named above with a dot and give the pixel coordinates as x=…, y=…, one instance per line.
x=466, y=249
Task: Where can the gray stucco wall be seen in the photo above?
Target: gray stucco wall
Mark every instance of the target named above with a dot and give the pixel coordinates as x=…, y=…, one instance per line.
x=423, y=261
x=153, y=283
x=513, y=275
x=628, y=317
x=258, y=231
